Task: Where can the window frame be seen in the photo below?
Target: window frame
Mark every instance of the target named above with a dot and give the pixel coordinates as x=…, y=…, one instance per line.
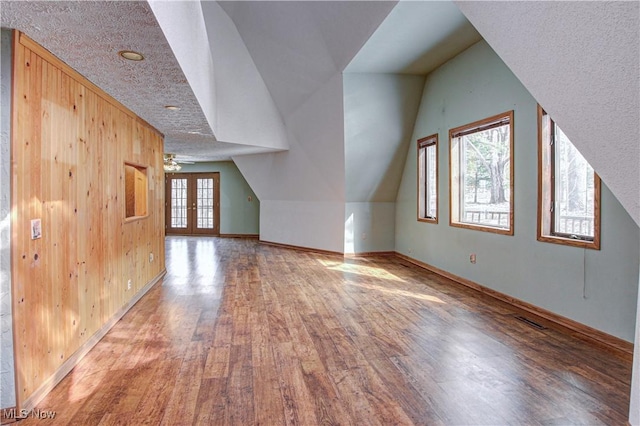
x=425, y=143
x=455, y=165
x=546, y=189
x=144, y=170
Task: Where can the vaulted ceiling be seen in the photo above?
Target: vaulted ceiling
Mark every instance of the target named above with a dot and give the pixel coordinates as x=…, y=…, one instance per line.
x=295, y=47
x=286, y=50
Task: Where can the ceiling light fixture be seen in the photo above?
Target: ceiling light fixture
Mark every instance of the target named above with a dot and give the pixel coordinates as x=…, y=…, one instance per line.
x=170, y=164
x=131, y=55
x=172, y=107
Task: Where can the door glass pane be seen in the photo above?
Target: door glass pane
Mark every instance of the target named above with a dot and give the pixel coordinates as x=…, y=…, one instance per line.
x=204, y=217
x=178, y=203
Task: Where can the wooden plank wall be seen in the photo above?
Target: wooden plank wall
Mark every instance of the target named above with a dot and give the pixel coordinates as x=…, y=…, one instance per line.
x=69, y=144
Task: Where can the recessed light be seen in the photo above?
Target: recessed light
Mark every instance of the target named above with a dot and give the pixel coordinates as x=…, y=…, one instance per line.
x=131, y=55
x=172, y=107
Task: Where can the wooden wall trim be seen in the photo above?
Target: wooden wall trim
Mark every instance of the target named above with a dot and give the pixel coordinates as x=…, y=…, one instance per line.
x=24, y=40
x=252, y=236
x=61, y=372
x=618, y=346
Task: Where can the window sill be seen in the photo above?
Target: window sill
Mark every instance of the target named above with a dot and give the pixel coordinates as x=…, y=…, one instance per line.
x=428, y=220
x=135, y=218
x=593, y=245
x=501, y=231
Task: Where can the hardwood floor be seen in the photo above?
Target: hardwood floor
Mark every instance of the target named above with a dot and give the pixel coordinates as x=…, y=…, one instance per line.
x=243, y=333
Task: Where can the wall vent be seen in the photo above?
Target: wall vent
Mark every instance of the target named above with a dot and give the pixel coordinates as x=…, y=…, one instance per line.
x=530, y=322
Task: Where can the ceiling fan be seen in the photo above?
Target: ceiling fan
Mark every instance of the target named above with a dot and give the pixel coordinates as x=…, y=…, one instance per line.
x=173, y=165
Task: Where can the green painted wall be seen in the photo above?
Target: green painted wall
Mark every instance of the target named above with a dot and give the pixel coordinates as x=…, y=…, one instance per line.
x=596, y=288
x=238, y=215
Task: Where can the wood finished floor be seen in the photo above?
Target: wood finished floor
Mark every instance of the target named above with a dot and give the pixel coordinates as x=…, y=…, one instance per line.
x=243, y=333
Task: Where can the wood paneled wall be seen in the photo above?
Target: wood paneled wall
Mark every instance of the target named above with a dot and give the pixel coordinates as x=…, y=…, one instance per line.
x=70, y=142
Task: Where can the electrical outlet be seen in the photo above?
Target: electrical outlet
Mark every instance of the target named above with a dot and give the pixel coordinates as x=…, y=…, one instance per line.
x=364, y=235
x=150, y=257
x=472, y=258
x=129, y=285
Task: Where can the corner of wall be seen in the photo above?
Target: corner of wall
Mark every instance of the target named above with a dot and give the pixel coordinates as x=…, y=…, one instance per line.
x=7, y=371
x=369, y=227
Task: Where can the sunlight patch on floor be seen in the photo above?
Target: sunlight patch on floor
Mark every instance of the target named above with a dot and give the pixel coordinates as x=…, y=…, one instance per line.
x=399, y=292
x=84, y=386
x=368, y=271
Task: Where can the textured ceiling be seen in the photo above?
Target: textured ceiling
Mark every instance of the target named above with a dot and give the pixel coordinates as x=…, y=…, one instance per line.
x=87, y=35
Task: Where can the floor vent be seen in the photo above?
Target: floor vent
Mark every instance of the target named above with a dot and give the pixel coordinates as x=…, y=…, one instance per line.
x=530, y=323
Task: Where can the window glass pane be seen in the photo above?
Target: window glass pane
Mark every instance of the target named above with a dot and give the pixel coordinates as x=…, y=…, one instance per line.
x=573, y=190
x=421, y=183
x=428, y=178
x=205, y=203
x=431, y=198
x=485, y=177
x=178, y=203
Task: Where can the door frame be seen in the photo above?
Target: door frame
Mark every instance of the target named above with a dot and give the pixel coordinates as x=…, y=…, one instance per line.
x=191, y=208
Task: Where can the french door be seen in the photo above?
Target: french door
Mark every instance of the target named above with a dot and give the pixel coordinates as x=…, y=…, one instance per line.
x=192, y=203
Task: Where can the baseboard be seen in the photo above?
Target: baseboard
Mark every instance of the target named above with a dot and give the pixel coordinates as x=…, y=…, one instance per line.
x=38, y=395
x=301, y=248
x=328, y=252
x=370, y=254
x=614, y=344
x=252, y=236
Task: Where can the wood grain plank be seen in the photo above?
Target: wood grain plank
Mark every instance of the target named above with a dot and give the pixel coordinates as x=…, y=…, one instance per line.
x=66, y=158
x=409, y=348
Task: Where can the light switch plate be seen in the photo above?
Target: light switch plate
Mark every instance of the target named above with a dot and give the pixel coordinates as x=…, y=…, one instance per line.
x=36, y=229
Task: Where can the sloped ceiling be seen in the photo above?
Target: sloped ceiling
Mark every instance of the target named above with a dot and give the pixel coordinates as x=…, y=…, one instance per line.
x=299, y=46
x=245, y=111
x=379, y=115
x=383, y=87
x=296, y=47
x=416, y=38
x=581, y=61
x=301, y=49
